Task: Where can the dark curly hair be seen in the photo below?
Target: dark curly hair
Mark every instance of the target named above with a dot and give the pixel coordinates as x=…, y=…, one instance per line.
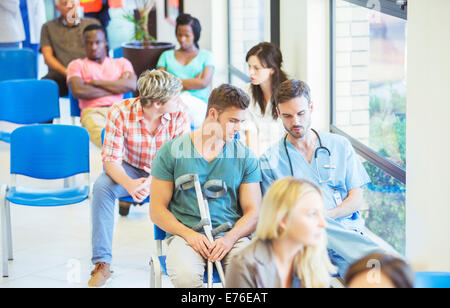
x=187, y=19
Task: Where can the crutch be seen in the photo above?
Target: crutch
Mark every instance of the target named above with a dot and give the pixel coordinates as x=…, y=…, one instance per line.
x=189, y=181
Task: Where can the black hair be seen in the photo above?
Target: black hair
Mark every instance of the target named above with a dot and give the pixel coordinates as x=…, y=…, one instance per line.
x=93, y=27
x=187, y=19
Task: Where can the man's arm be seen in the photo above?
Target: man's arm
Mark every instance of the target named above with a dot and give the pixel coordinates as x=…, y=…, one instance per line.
x=51, y=61
x=138, y=189
x=82, y=90
x=126, y=83
x=349, y=206
x=250, y=201
x=160, y=195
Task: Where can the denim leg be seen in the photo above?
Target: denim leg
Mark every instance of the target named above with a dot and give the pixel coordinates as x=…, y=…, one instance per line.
x=105, y=193
x=346, y=246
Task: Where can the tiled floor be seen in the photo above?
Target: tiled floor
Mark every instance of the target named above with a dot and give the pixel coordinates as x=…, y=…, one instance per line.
x=52, y=245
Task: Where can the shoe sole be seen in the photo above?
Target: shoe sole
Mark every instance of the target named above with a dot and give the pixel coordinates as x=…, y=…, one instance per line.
x=103, y=286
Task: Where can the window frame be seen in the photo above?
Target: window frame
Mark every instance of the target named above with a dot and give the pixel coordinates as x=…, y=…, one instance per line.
x=274, y=37
x=397, y=8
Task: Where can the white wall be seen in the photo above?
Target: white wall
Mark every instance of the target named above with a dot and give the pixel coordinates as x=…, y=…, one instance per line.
x=428, y=135
x=212, y=15
x=305, y=44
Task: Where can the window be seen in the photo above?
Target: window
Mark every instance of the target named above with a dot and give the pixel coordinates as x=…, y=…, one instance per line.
x=384, y=210
x=247, y=27
x=369, y=103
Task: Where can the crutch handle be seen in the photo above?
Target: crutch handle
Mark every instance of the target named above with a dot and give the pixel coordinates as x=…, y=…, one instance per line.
x=222, y=228
x=201, y=224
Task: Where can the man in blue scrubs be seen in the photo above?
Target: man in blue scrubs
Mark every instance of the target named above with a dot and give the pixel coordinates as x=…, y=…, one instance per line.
x=212, y=153
x=326, y=159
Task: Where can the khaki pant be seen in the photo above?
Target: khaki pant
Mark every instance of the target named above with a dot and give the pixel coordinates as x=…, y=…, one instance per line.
x=186, y=267
x=94, y=120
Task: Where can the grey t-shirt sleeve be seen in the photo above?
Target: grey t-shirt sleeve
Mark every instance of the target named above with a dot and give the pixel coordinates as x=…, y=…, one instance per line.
x=45, y=38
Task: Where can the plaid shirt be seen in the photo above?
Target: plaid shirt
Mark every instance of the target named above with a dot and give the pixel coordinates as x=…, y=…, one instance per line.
x=127, y=139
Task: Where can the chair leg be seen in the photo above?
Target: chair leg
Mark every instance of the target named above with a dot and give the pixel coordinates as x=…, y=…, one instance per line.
x=3, y=230
x=155, y=273
x=9, y=229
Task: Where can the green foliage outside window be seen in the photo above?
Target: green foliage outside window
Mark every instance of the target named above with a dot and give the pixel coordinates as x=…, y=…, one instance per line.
x=385, y=196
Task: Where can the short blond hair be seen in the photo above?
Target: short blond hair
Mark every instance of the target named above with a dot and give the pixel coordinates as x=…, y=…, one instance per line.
x=312, y=265
x=158, y=86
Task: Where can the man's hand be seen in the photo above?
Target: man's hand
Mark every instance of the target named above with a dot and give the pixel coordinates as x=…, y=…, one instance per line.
x=139, y=189
x=199, y=242
x=220, y=248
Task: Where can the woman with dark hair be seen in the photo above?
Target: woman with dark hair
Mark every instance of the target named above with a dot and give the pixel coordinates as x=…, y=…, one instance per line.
x=263, y=128
x=379, y=270
x=194, y=66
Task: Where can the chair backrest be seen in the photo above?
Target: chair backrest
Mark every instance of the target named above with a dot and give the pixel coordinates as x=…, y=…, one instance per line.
x=159, y=233
x=432, y=280
x=49, y=151
x=18, y=64
x=75, y=110
x=27, y=101
x=118, y=53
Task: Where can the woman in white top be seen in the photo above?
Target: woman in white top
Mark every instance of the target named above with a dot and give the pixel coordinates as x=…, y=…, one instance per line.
x=263, y=127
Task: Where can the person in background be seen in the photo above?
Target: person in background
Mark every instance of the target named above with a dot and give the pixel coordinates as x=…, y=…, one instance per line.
x=379, y=270
x=135, y=130
x=33, y=17
x=12, y=31
x=62, y=41
x=98, y=9
x=212, y=153
x=194, y=66
x=329, y=161
x=289, y=249
x=98, y=81
x=263, y=127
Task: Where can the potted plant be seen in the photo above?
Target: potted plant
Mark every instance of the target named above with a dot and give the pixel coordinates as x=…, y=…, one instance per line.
x=144, y=51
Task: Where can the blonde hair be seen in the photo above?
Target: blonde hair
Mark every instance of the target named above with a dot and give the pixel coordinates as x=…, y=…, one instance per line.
x=157, y=86
x=312, y=264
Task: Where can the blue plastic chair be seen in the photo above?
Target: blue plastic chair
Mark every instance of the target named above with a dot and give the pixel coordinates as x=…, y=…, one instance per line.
x=18, y=64
x=432, y=280
x=47, y=152
x=118, y=53
x=27, y=101
x=158, y=263
x=75, y=110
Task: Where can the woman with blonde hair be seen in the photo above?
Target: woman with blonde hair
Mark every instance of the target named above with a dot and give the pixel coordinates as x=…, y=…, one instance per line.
x=289, y=247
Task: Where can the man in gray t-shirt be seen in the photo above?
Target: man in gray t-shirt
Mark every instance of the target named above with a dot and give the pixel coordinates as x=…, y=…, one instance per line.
x=62, y=41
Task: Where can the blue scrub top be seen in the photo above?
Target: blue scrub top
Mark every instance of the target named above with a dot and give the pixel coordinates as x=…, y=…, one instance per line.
x=348, y=174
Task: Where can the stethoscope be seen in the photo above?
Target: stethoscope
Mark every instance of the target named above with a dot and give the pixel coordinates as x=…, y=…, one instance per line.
x=328, y=166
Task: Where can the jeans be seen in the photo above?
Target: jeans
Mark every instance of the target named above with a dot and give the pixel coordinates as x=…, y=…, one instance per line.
x=105, y=193
x=346, y=246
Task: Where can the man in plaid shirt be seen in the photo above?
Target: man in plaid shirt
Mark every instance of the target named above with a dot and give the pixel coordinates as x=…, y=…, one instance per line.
x=135, y=130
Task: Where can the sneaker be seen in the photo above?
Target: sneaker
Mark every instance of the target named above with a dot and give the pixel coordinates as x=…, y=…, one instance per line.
x=124, y=208
x=100, y=275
